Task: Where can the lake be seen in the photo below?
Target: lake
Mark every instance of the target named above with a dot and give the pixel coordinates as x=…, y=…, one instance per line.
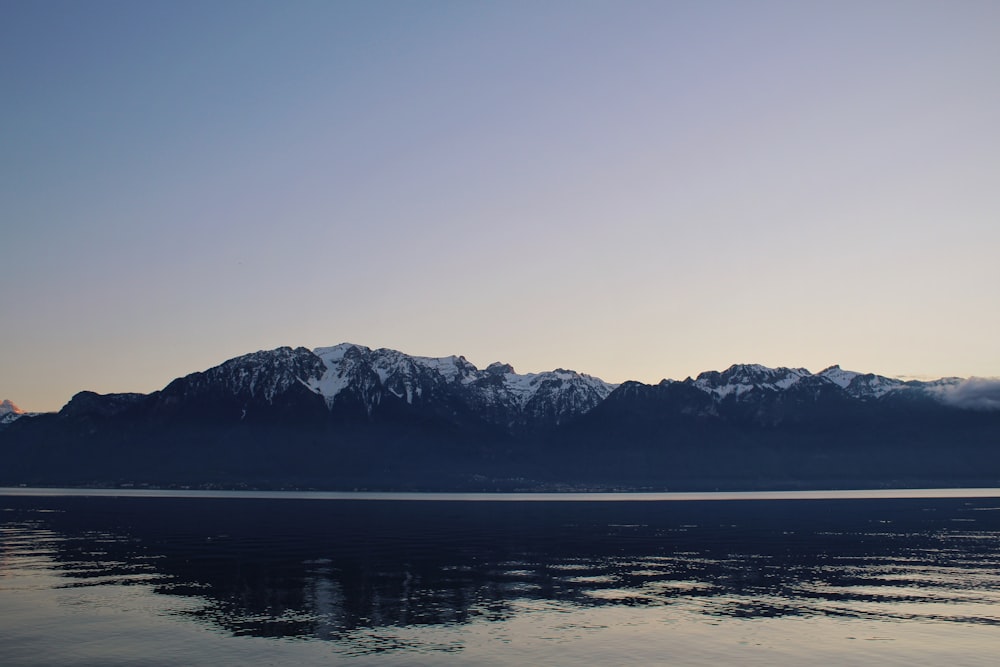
x=182, y=578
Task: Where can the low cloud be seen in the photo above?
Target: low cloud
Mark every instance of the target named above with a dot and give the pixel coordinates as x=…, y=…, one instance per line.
x=973, y=394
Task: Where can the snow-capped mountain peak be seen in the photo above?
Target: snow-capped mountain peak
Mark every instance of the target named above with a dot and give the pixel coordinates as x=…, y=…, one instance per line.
x=401, y=374
x=740, y=379
x=838, y=376
x=861, y=385
x=10, y=412
x=338, y=352
x=339, y=361
x=526, y=387
x=258, y=376
x=870, y=385
x=505, y=396
x=453, y=368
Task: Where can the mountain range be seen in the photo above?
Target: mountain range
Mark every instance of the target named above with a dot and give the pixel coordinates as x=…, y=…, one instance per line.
x=347, y=417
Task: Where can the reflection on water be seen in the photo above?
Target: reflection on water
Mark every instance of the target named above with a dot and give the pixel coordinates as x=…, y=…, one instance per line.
x=504, y=582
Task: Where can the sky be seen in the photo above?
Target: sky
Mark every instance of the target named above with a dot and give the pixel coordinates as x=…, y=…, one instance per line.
x=635, y=190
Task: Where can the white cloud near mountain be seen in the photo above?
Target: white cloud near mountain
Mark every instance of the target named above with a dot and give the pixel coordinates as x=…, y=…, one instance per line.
x=973, y=394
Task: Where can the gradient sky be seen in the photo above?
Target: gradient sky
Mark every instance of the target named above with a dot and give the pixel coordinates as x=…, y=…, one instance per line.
x=635, y=190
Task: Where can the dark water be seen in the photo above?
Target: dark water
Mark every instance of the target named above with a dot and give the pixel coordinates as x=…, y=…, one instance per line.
x=177, y=581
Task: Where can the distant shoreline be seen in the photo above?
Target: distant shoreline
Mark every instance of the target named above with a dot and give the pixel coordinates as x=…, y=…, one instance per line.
x=576, y=496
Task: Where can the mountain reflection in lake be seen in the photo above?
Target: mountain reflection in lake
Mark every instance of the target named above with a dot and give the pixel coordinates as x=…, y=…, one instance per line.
x=176, y=581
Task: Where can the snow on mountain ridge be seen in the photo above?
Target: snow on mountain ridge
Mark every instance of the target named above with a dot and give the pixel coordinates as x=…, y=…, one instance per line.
x=10, y=412
x=336, y=352
x=374, y=374
x=527, y=384
x=348, y=364
x=257, y=375
x=498, y=393
x=838, y=376
x=740, y=379
x=497, y=387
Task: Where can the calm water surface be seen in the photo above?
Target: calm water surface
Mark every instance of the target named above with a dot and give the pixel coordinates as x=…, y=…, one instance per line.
x=152, y=580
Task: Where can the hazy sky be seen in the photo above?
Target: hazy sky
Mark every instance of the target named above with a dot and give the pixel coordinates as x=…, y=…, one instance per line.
x=636, y=190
